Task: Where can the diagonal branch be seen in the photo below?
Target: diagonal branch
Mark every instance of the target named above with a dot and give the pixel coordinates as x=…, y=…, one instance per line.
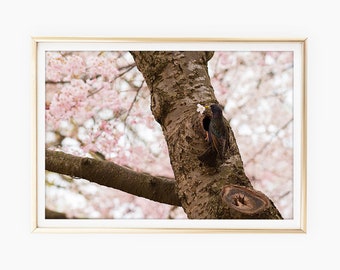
x=268, y=143
x=159, y=189
x=134, y=100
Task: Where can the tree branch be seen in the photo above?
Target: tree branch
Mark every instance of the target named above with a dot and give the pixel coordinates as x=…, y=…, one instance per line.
x=50, y=214
x=109, y=174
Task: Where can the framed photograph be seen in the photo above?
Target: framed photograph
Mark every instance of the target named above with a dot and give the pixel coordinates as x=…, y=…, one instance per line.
x=150, y=135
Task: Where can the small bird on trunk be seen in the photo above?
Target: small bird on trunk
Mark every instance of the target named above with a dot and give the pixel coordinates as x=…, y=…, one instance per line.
x=217, y=133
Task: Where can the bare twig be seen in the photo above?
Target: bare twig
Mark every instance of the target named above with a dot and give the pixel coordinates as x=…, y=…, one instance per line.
x=133, y=102
x=268, y=143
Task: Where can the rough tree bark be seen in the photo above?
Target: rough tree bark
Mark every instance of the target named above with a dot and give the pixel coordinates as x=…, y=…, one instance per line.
x=109, y=174
x=178, y=81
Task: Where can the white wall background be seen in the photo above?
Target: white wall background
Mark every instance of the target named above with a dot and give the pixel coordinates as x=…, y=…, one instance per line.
x=317, y=20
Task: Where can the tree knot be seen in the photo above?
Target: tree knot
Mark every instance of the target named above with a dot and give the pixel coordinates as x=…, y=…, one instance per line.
x=244, y=200
x=87, y=161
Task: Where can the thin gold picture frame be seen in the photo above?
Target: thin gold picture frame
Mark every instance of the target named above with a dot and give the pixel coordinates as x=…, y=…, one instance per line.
x=36, y=41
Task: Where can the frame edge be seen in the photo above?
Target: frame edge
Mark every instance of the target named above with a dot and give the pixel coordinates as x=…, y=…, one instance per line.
x=304, y=139
x=34, y=145
x=34, y=193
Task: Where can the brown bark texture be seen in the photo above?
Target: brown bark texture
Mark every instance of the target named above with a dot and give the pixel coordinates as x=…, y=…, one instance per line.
x=109, y=174
x=178, y=81
x=50, y=214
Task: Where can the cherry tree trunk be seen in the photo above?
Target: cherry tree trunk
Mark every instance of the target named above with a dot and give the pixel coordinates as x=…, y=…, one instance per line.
x=208, y=188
